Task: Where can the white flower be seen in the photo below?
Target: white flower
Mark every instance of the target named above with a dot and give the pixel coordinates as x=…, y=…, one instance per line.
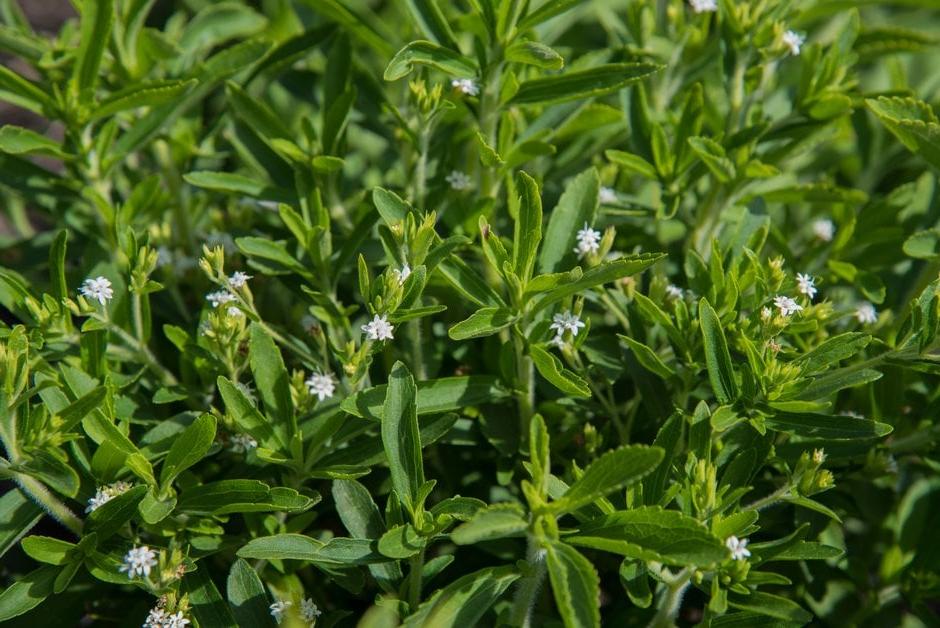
x=566, y=321
x=866, y=314
x=378, y=328
x=155, y=618
x=164, y=255
x=241, y=443
x=238, y=279
x=220, y=297
x=309, y=611
x=139, y=561
x=458, y=180
x=766, y=314
x=98, y=289
x=807, y=285
x=589, y=241
x=321, y=385
x=787, y=306
x=176, y=620
x=793, y=41
x=738, y=548
x=703, y=6
x=233, y=310
x=402, y=274
x=606, y=196
x=106, y=493
x=673, y=291
x=557, y=341
x=824, y=229
x=465, y=86
x=278, y=609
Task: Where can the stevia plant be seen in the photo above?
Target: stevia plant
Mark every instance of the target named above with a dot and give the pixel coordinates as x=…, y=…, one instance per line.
x=497, y=313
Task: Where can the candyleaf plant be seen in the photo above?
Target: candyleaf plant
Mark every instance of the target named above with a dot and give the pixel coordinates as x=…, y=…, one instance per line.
x=458, y=313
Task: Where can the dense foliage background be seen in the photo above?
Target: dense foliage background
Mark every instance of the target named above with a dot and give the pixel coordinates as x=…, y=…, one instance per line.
x=470, y=312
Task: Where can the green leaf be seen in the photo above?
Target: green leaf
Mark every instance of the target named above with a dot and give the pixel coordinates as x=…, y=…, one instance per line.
x=262, y=251
x=528, y=227
x=463, y=602
x=271, y=378
x=337, y=551
x=632, y=163
x=653, y=534
x=647, y=357
x=362, y=519
x=227, y=182
x=824, y=426
x=105, y=520
x=391, y=207
x=713, y=156
x=27, y=592
x=576, y=207
x=576, y=586
x=612, y=471
x=207, y=605
x=432, y=22
x=79, y=409
x=400, y=436
x=494, y=522
x=599, y=275
x=552, y=369
x=18, y=515
x=484, y=322
x=921, y=245
x=436, y=396
x=596, y=81
x=547, y=11
x=97, y=16
x=362, y=25
x=835, y=380
x=247, y=417
x=228, y=496
x=832, y=350
x=402, y=542
x=771, y=606
x=717, y=358
x=17, y=90
x=247, y=597
x=913, y=122
x=141, y=95
x=188, y=449
x=19, y=141
x=431, y=55
x=534, y=53
x=46, y=549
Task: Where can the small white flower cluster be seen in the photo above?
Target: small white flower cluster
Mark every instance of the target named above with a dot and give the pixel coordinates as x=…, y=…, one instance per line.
x=238, y=279
x=793, y=41
x=466, y=86
x=378, y=328
x=589, y=241
x=106, y=493
x=403, y=274
x=787, y=306
x=159, y=618
x=459, y=180
x=806, y=285
x=566, y=321
x=97, y=289
x=738, y=548
x=703, y=6
x=607, y=196
x=309, y=611
x=824, y=229
x=242, y=443
x=321, y=385
x=278, y=609
x=866, y=314
x=138, y=561
x=673, y=291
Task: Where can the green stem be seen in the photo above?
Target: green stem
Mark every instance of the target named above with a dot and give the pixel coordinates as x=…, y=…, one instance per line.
x=524, y=601
x=48, y=502
x=424, y=141
x=769, y=500
x=414, y=579
x=144, y=352
x=525, y=374
x=671, y=600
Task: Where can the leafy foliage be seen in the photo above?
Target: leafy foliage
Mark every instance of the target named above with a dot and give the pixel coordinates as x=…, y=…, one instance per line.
x=438, y=313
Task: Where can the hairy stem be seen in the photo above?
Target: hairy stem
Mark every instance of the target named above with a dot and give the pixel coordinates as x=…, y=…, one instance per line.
x=48, y=502
x=528, y=590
